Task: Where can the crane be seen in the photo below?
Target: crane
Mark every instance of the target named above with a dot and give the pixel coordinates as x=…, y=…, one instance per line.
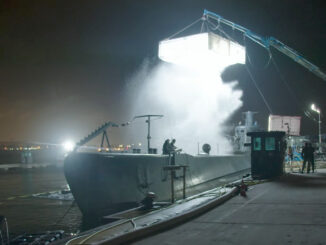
x=267, y=42
x=96, y=132
x=100, y=130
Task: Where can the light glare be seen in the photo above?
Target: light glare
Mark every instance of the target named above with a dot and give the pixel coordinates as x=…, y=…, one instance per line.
x=195, y=104
x=314, y=108
x=190, y=92
x=204, y=49
x=68, y=145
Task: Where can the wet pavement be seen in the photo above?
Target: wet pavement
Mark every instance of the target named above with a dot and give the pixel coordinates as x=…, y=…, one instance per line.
x=27, y=213
x=290, y=210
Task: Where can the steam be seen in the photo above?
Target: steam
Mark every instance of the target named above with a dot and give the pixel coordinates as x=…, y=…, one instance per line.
x=195, y=104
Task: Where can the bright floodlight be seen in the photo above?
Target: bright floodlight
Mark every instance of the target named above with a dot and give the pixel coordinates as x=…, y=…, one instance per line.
x=314, y=108
x=68, y=145
x=202, y=49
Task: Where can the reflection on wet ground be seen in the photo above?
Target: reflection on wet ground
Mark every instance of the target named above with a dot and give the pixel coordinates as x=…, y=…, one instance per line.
x=28, y=213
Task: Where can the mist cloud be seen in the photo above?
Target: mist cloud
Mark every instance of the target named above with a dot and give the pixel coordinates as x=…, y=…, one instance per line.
x=195, y=104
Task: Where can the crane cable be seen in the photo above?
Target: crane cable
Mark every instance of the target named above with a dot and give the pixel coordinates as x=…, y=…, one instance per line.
x=270, y=60
x=218, y=27
x=306, y=113
x=249, y=59
x=185, y=28
x=260, y=92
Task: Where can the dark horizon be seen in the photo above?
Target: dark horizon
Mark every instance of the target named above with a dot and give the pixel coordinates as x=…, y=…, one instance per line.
x=65, y=66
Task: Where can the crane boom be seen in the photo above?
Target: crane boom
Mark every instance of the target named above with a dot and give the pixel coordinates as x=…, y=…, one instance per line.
x=95, y=133
x=269, y=42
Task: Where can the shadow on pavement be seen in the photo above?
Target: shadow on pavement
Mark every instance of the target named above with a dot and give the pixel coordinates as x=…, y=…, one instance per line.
x=311, y=180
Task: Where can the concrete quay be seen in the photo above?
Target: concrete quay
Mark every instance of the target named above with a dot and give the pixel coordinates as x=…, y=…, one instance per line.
x=289, y=210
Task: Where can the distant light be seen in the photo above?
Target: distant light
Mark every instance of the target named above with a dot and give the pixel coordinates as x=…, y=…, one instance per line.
x=68, y=145
x=314, y=108
x=139, y=144
x=204, y=49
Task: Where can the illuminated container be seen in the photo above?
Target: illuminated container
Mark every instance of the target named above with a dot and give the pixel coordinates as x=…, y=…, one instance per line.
x=288, y=124
x=207, y=48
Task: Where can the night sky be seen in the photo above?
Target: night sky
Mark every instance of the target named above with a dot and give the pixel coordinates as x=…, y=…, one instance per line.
x=66, y=64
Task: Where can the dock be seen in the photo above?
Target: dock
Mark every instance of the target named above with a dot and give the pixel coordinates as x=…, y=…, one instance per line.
x=286, y=210
x=289, y=210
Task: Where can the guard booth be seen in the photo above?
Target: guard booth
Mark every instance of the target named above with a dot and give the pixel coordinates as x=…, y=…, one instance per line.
x=267, y=154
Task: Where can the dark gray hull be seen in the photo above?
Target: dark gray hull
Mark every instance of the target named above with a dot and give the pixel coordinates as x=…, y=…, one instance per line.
x=106, y=183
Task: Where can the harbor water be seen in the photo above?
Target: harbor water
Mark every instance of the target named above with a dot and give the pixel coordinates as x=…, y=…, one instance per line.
x=32, y=201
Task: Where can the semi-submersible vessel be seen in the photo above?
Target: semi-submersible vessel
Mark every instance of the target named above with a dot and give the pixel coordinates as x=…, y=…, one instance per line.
x=104, y=182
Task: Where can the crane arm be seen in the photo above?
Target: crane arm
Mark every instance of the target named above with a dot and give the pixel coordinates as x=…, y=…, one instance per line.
x=296, y=57
x=269, y=42
x=96, y=132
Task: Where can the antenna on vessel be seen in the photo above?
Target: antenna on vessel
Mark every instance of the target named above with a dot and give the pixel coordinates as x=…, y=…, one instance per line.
x=148, y=121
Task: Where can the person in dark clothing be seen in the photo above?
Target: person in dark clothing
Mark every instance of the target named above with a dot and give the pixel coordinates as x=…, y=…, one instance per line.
x=308, y=156
x=166, y=146
x=171, y=151
x=290, y=155
x=304, y=154
x=311, y=157
x=172, y=146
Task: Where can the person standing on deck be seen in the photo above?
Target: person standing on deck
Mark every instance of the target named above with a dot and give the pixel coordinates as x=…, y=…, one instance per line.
x=172, y=149
x=166, y=146
x=172, y=146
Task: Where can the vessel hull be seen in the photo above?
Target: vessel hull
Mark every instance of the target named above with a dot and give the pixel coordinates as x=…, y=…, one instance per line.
x=105, y=183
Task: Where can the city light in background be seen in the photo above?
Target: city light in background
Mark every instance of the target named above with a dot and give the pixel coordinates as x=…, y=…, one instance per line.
x=77, y=83
x=70, y=67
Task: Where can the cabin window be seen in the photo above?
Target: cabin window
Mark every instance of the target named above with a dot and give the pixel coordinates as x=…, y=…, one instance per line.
x=257, y=144
x=270, y=144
